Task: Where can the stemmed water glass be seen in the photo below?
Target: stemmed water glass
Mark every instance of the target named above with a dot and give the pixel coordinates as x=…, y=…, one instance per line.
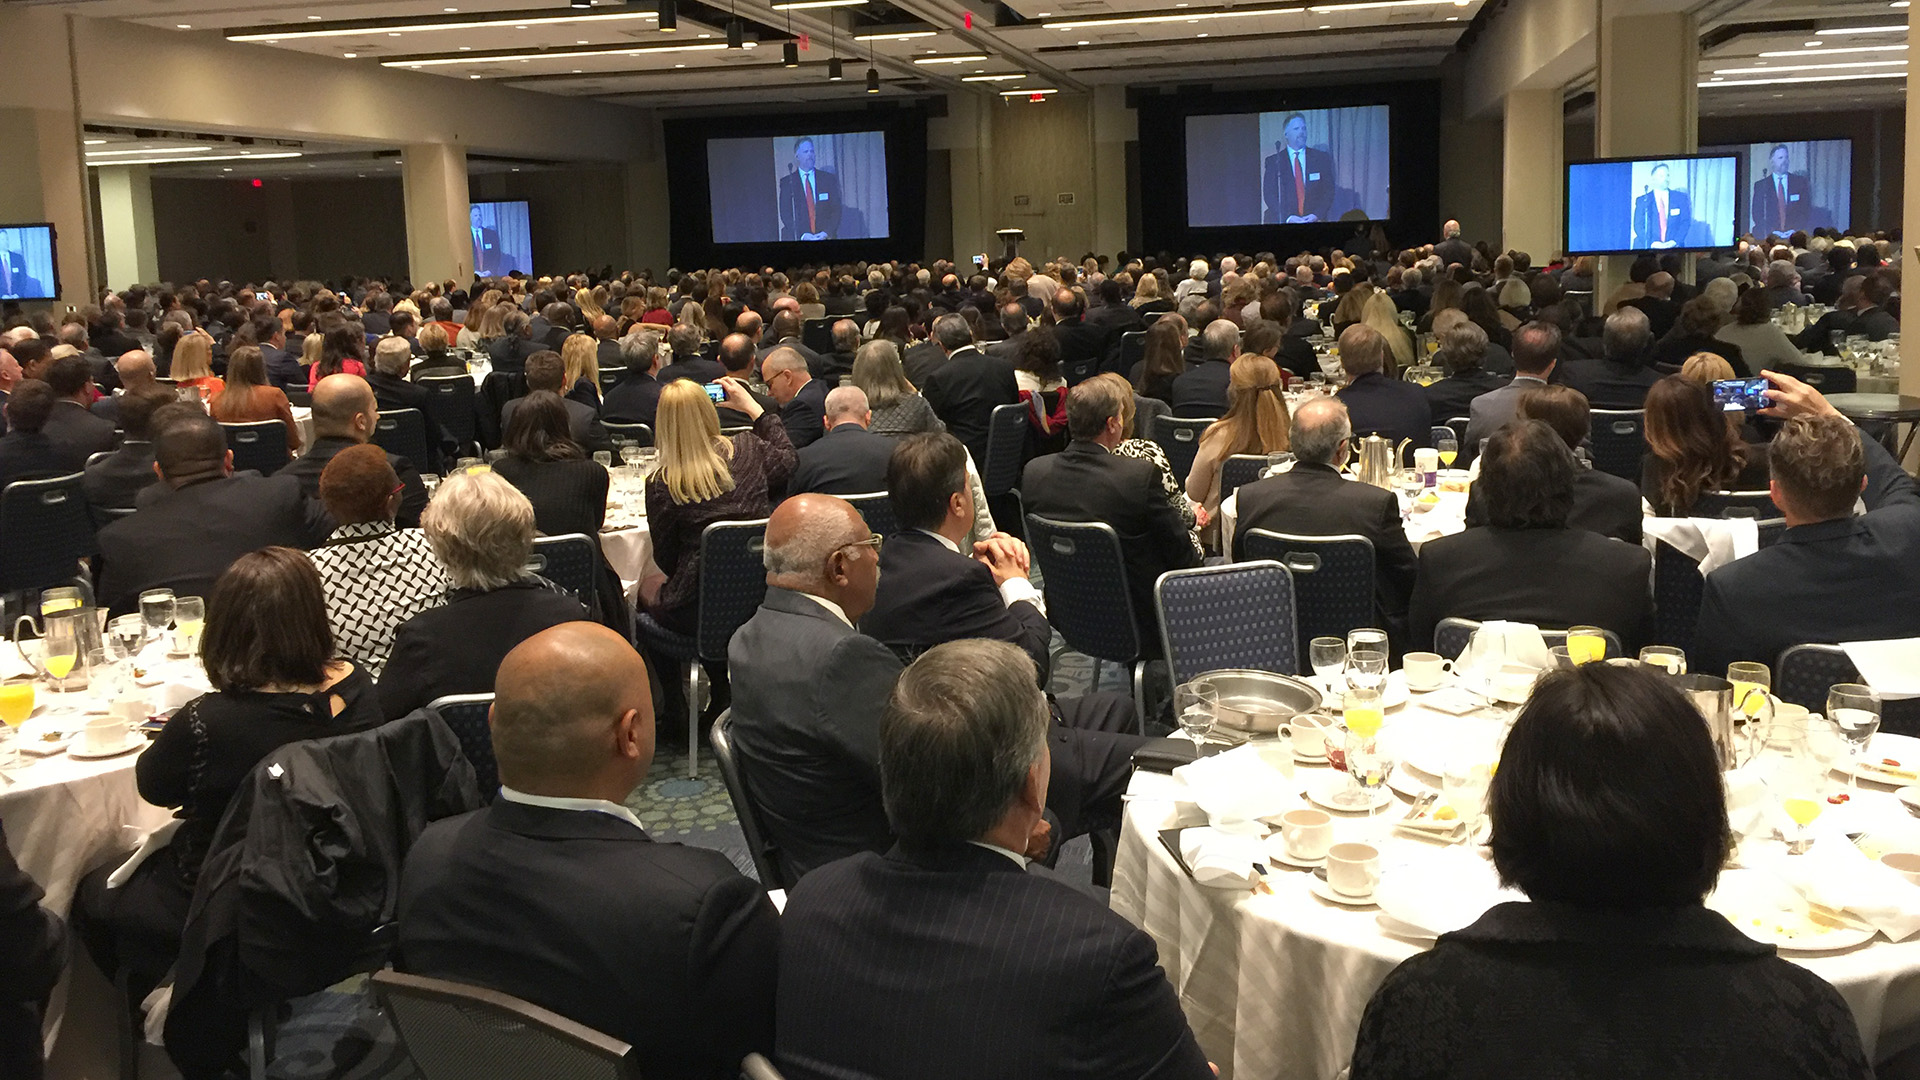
x=1856, y=710
x=1194, y=705
x=128, y=633
x=156, y=607
x=1367, y=658
x=1328, y=655
x=630, y=454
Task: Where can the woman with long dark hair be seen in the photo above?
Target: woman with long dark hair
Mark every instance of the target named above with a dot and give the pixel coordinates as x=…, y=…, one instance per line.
x=1164, y=360
x=1691, y=450
x=567, y=489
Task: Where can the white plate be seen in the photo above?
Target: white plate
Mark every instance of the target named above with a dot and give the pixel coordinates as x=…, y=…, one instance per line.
x=1769, y=911
x=1440, y=890
x=1325, y=892
x=1321, y=790
x=77, y=749
x=1394, y=695
x=1390, y=925
x=1902, y=748
x=1277, y=852
x=32, y=736
x=1405, y=783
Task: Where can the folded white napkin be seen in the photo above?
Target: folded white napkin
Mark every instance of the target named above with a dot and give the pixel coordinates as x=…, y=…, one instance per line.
x=1238, y=786
x=1891, y=666
x=1498, y=642
x=1220, y=858
x=1712, y=542
x=13, y=665
x=1835, y=874
x=149, y=844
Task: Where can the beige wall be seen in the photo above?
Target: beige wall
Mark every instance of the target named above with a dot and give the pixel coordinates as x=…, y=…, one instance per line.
x=1040, y=151
x=230, y=229
x=579, y=215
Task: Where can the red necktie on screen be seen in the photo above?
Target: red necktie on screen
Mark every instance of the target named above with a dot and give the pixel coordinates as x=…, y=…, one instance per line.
x=1299, y=184
x=1663, y=215
x=806, y=181
x=1780, y=183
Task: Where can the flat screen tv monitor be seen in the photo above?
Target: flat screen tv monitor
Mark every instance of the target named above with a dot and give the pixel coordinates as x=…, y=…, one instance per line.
x=27, y=267
x=1685, y=202
x=1288, y=167
x=1794, y=186
x=799, y=187
x=502, y=241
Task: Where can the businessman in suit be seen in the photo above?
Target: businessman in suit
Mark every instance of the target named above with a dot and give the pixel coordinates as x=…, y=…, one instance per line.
x=1782, y=199
x=345, y=413
x=116, y=480
x=809, y=198
x=546, y=371
x=1662, y=216
x=1602, y=502
x=555, y=893
x=76, y=433
x=1536, y=349
x=488, y=259
x=1376, y=405
x=201, y=517
x=1624, y=373
x=848, y=459
x=952, y=957
x=1298, y=183
x=966, y=389
x=1832, y=576
x=802, y=398
x=15, y=282
x=1201, y=390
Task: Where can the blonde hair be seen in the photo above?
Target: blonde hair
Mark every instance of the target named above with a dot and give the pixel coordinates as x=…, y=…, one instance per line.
x=494, y=323
x=433, y=336
x=1256, y=420
x=481, y=528
x=1147, y=290
x=1380, y=313
x=589, y=306
x=694, y=455
x=581, y=355
x=310, y=349
x=1125, y=390
x=192, y=358
x=1706, y=368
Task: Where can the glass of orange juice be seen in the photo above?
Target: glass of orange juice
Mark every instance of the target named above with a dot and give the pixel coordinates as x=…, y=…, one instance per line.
x=1586, y=644
x=16, y=704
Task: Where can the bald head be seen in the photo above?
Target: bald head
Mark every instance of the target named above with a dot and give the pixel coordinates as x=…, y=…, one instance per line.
x=1660, y=285
x=606, y=328
x=344, y=407
x=135, y=368
x=572, y=714
x=1320, y=430
x=847, y=405
x=810, y=549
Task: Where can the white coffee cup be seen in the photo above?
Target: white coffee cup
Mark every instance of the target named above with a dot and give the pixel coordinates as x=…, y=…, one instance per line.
x=1307, y=834
x=1425, y=670
x=1353, y=869
x=1904, y=863
x=1513, y=683
x=104, y=734
x=1309, y=734
x=129, y=707
x=1426, y=460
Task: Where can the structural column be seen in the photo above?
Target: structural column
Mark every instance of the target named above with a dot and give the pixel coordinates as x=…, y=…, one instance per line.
x=966, y=133
x=1910, y=233
x=46, y=180
x=1533, y=174
x=1647, y=100
x=1114, y=125
x=439, y=242
x=126, y=226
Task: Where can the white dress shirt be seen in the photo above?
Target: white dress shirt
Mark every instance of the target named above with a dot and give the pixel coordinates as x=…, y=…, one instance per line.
x=1019, y=859
x=1012, y=590
x=597, y=806
x=838, y=611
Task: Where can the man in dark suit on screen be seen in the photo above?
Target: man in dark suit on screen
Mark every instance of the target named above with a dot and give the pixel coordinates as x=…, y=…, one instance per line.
x=1782, y=199
x=1662, y=216
x=488, y=259
x=1298, y=183
x=809, y=199
x=951, y=957
x=15, y=282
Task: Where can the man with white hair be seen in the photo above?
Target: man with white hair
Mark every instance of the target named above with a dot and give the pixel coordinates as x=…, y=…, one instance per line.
x=848, y=459
x=1196, y=281
x=802, y=398
x=1201, y=390
x=1451, y=249
x=635, y=397
x=1783, y=284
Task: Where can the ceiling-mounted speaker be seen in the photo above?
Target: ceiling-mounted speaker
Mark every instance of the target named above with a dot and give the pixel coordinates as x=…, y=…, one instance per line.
x=736, y=34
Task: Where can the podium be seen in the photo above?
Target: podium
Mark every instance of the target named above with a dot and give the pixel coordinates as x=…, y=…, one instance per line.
x=1012, y=238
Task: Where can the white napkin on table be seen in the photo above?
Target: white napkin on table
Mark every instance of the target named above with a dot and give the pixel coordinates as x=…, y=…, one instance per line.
x=12, y=665
x=1837, y=875
x=1747, y=805
x=1499, y=642
x=1237, y=786
x=1712, y=542
x=1223, y=859
x=1890, y=666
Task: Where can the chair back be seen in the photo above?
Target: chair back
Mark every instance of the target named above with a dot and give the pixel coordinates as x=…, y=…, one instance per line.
x=766, y=859
x=1332, y=579
x=466, y=716
x=451, y=407
x=1441, y=431
x=877, y=508
x=569, y=560
x=1179, y=436
x=1735, y=504
x=1827, y=380
x=45, y=530
x=1450, y=638
x=1677, y=587
x=1805, y=673
x=1006, y=449
x=453, y=1031
x=1235, y=616
x=610, y=377
x=1619, y=441
x=1237, y=470
x=817, y=334
x=733, y=581
x=1085, y=576
x=628, y=434
x=404, y=432
x=260, y=446
x=300, y=398
x=1133, y=349
x=1458, y=425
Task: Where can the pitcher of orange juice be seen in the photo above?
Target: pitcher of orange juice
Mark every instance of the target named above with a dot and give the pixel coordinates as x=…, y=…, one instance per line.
x=63, y=644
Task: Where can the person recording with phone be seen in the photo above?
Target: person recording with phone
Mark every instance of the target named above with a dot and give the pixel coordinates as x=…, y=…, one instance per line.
x=1691, y=449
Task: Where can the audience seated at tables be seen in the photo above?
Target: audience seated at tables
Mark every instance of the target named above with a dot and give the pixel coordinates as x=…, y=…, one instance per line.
x=1202, y=389
x=634, y=399
x=1698, y=330
x=248, y=396
x=192, y=365
x=1043, y=389
x=981, y=964
x=345, y=413
x=1526, y=564
x=1832, y=576
x=580, y=374
x=1163, y=359
x=276, y=679
x=343, y=351
x=1602, y=502
x=508, y=352
x=1377, y=403
x=133, y=371
x=1089, y=482
x=1861, y=310
x=1659, y=304
x=481, y=528
x=33, y=959
x=685, y=341
x=898, y=409
x=1536, y=345
x=74, y=430
x=1462, y=355
x=808, y=688
x=1692, y=449
x=1609, y=812
x=567, y=488
x=556, y=895
x=802, y=399
x=1254, y=422
x=849, y=459
x=117, y=479
x=546, y=371
x=967, y=386
x=846, y=347
x=1131, y=445
x=1622, y=375
x=1761, y=342
x=26, y=451
x=436, y=361
x=376, y=575
x=200, y=518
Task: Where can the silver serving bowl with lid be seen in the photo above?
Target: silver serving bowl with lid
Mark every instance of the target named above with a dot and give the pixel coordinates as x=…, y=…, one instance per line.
x=1257, y=703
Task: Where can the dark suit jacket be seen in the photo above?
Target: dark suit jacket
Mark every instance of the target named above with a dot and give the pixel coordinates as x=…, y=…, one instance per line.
x=1088, y=482
x=510, y=353
x=77, y=434
x=1314, y=500
x=665, y=947
x=606, y=353
x=1006, y=348
x=1646, y=219
x=1390, y=408
x=1083, y=347
x=33, y=956
x=455, y=649
x=633, y=400
x=283, y=368
x=1661, y=314
x=808, y=693
x=1454, y=250
x=31, y=455
x=698, y=368
x=965, y=391
x=979, y=969
x=1767, y=207
x=583, y=423
x=849, y=460
x=308, y=466
x=812, y=358
x=186, y=538
x=1853, y=579
x=115, y=481
x=1553, y=578
x=832, y=366
x=1278, y=187
x=1602, y=503
x=793, y=205
x=929, y=595
x=1453, y=396
x=923, y=359
x=1201, y=390
x=805, y=416
x=1609, y=384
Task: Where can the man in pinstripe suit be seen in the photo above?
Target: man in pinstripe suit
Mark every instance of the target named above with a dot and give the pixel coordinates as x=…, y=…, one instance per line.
x=951, y=957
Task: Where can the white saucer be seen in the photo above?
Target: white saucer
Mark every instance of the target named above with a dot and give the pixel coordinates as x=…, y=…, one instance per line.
x=1321, y=794
x=1310, y=759
x=1325, y=892
x=77, y=749
x=1278, y=853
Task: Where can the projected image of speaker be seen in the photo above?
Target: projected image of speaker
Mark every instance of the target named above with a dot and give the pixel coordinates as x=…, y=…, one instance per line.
x=1795, y=186
x=1288, y=167
x=27, y=267
x=799, y=187
x=502, y=240
x=1683, y=203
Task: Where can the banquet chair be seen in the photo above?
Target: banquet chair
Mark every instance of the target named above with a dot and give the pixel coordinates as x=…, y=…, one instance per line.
x=730, y=430
x=404, y=432
x=570, y=561
x=1731, y=504
x=1451, y=636
x=45, y=530
x=1007, y=435
x=877, y=508
x=628, y=434
x=1458, y=424
x=1677, y=588
x=1084, y=575
x=1332, y=580
x=1619, y=441
x=466, y=716
x=451, y=406
x=766, y=856
x=300, y=399
x=610, y=378
x=1771, y=531
x=453, y=1031
x=817, y=334
x=733, y=582
x=1804, y=674
x=1179, y=436
x=1442, y=431
x=260, y=446
x=1133, y=349
x=1234, y=616
x=1240, y=469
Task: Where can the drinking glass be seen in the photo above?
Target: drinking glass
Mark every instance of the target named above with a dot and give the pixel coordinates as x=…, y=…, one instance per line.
x=128, y=633
x=105, y=678
x=1667, y=658
x=630, y=454
x=1787, y=766
x=1586, y=644
x=1751, y=682
x=430, y=481
x=1328, y=656
x=1367, y=768
x=16, y=704
x=1827, y=744
x=189, y=619
x=603, y=458
x=60, y=651
x=1856, y=710
x=1464, y=787
x=156, y=607
x=1449, y=447
x=649, y=460
x=1194, y=705
x=1366, y=668
x=1562, y=657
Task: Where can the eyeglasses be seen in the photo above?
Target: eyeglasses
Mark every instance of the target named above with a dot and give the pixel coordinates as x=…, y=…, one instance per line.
x=873, y=541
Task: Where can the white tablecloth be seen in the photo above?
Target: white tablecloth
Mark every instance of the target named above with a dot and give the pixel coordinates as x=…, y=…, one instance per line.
x=1275, y=985
x=1449, y=516
x=625, y=539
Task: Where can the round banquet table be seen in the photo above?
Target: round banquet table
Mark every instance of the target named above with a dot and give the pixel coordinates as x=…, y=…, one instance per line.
x=1884, y=412
x=624, y=539
x=1274, y=984
x=1445, y=518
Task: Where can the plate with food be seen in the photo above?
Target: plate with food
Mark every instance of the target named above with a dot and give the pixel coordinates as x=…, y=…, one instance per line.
x=1772, y=912
x=1890, y=759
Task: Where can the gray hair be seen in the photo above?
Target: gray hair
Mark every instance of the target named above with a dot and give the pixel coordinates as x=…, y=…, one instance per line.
x=802, y=560
x=481, y=528
x=1319, y=424
x=1219, y=339
x=952, y=332
x=1781, y=272
x=639, y=349
x=1411, y=279
x=845, y=403
x=392, y=356
x=964, y=726
x=1723, y=292
x=1464, y=346
x=846, y=335
x=1627, y=334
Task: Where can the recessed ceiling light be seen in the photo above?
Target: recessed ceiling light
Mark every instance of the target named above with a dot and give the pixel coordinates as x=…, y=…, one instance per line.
x=182, y=26
x=1325, y=26
x=449, y=10
x=1086, y=42
x=1199, y=35
x=1811, y=45
x=466, y=48
x=313, y=18
x=1898, y=4
x=93, y=142
x=706, y=35
x=583, y=41
x=1901, y=29
x=522, y=27
x=229, y=168
x=350, y=56
x=679, y=65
